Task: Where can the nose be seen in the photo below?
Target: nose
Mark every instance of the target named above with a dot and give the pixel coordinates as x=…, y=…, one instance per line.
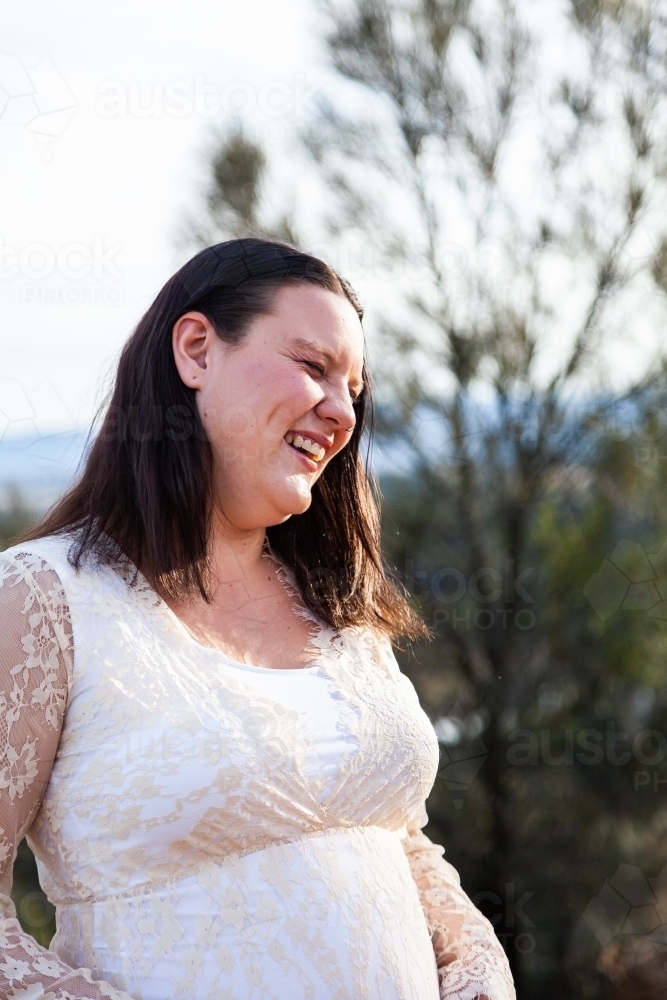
x=337, y=408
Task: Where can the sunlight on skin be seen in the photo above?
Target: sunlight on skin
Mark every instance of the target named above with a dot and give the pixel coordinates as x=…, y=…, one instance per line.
x=297, y=370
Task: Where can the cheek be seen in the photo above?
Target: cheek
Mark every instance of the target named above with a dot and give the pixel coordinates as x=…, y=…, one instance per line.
x=285, y=396
x=227, y=413
x=255, y=401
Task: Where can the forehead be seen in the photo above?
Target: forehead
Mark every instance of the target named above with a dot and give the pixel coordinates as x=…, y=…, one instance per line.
x=314, y=318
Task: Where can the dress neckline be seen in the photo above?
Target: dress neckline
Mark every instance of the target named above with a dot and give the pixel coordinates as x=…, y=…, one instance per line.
x=285, y=578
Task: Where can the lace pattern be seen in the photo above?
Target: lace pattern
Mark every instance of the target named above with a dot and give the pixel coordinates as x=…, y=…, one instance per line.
x=177, y=823
x=470, y=959
x=36, y=662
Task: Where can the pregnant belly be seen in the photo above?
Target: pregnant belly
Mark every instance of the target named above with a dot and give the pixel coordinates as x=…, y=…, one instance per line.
x=333, y=916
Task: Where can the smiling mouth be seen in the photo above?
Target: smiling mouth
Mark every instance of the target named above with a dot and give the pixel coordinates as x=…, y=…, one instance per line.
x=307, y=447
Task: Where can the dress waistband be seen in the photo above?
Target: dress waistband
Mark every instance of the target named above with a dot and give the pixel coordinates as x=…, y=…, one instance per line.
x=148, y=887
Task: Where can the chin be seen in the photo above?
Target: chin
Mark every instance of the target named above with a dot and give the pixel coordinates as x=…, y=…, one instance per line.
x=291, y=506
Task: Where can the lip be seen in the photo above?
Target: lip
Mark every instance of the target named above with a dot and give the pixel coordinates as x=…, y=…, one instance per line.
x=310, y=463
x=313, y=435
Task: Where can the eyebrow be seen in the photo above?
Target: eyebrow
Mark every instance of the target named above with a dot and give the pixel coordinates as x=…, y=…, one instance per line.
x=313, y=345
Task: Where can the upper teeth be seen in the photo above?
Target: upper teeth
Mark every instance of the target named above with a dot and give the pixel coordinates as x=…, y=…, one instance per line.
x=305, y=444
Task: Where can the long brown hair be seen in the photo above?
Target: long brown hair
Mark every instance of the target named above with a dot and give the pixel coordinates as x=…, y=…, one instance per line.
x=144, y=497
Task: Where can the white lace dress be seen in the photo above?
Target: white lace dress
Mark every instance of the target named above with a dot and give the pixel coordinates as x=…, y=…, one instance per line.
x=214, y=831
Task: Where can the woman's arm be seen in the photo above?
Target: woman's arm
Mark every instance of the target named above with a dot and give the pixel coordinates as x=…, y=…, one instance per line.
x=471, y=962
x=470, y=959
x=36, y=654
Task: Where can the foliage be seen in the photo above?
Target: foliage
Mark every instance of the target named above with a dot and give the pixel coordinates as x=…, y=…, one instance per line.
x=15, y=518
x=522, y=150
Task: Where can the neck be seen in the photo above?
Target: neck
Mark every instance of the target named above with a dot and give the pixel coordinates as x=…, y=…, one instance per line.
x=234, y=552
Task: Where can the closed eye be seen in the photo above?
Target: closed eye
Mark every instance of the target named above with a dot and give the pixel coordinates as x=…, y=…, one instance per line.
x=321, y=372
x=313, y=365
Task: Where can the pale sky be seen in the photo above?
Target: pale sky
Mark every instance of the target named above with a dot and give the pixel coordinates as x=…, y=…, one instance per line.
x=90, y=213
x=105, y=113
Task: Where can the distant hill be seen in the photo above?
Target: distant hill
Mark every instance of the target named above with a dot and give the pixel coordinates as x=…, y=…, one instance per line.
x=39, y=467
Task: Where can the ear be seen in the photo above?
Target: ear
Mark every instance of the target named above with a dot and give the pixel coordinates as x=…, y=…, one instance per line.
x=192, y=339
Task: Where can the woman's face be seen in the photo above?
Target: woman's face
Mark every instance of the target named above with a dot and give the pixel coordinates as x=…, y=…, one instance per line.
x=278, y=406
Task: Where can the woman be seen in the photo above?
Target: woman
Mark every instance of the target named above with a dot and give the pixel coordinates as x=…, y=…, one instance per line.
x=219, y=766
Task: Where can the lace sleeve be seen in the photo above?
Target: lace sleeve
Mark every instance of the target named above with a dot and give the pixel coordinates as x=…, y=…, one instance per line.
x=470, y=959
x=36, y=652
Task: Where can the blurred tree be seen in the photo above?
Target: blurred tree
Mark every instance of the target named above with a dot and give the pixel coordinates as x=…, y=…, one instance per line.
x=504, y=163
x=15, y=517
x=233, y=205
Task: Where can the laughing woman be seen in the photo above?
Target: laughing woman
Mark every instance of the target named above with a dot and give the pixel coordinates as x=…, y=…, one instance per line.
x=207, y=739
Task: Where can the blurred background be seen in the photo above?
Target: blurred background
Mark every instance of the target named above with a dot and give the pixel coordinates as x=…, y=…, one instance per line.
x=491, y=177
